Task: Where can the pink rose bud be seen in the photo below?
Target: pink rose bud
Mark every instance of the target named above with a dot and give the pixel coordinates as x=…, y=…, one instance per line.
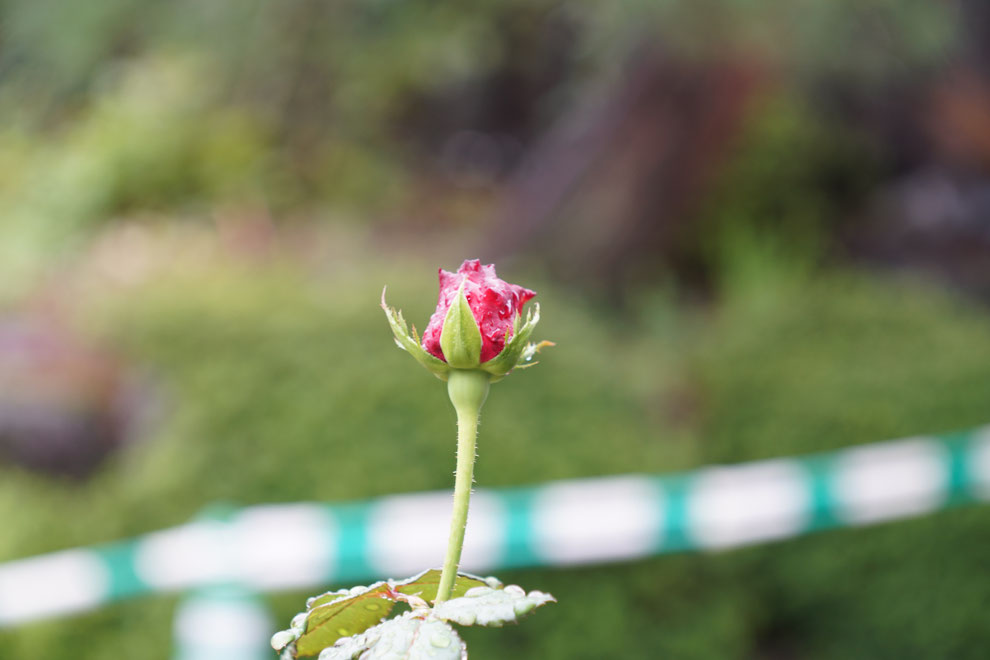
x=494, y=303
x=477, y=324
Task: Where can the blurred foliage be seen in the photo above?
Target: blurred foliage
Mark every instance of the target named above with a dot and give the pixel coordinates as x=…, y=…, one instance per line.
x=127, y=107
x=791, y=175
x=302, y=379
x=276, y=375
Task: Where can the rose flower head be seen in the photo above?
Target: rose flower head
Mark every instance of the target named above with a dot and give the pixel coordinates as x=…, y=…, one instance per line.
x=495, y=305
x=477, y=324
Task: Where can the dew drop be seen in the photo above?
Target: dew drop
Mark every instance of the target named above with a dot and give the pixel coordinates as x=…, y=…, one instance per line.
x=343, y=631
x=440, y=641
x=282, y=639
x=371, y=606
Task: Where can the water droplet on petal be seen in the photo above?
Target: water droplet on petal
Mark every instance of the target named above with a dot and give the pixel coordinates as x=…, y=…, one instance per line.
x=440, y=641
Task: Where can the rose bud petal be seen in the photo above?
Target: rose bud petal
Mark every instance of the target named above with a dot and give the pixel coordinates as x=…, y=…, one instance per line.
x=478, y=324
x=495, y=305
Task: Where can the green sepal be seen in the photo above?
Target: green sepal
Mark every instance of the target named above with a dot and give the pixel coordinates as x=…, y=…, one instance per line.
x=410, y=342
x=460, y=339
x=518, y=352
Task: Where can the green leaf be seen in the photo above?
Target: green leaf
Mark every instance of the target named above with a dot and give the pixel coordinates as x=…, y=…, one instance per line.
x=460, y=339
x=333, y=616
x=487, y=606
x=425, y=584
x=338, y=614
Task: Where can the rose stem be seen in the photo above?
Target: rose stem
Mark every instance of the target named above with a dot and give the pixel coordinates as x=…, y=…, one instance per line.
x=467, y=390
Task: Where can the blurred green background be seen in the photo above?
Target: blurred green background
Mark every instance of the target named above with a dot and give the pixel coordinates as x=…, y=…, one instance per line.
x=756, y=229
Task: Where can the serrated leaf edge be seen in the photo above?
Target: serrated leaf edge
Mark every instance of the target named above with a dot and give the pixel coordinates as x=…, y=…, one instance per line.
x=284, y=641
x=358, y=645
x=459, y=611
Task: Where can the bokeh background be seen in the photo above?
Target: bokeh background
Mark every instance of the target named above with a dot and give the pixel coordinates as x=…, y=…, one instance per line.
x=756, y=229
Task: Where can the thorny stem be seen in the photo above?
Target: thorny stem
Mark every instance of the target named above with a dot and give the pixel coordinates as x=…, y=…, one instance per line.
x=468, y=390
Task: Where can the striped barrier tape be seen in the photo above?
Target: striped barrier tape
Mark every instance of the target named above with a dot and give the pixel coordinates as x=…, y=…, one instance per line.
x=309, y=545
x=222, y=622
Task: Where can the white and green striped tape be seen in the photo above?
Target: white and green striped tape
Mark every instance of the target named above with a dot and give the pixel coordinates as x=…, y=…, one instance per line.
x=310, y=545
x=222, y=622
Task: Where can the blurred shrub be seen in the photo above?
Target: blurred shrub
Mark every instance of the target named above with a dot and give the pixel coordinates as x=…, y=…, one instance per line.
x=287, y=387
x=282, y=385
x=145, y=145
x=123, y=108
x=384, y=86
